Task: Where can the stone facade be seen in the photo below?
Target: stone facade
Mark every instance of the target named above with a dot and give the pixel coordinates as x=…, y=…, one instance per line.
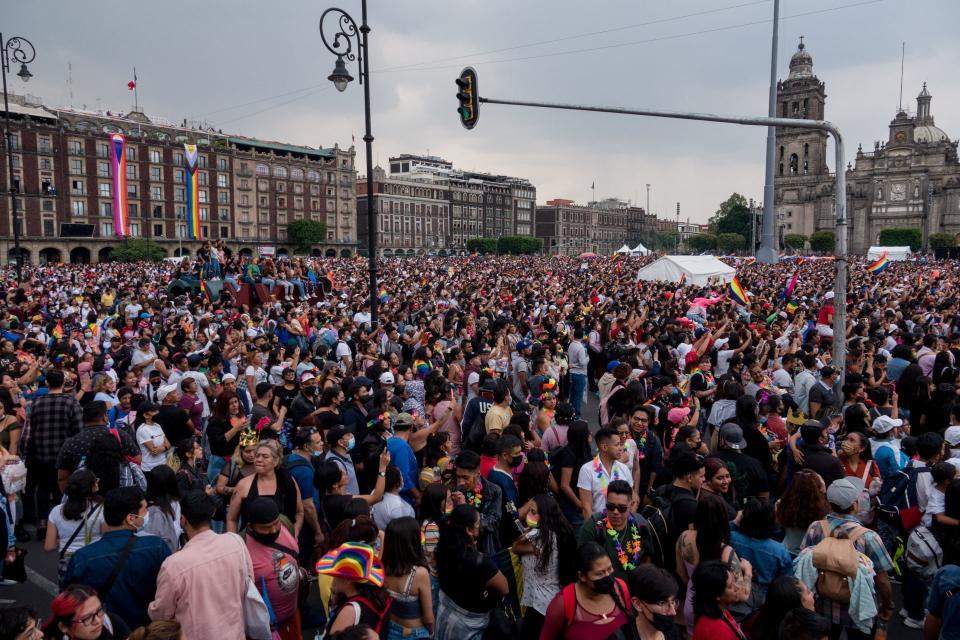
x=910, y=180
x=249, y=189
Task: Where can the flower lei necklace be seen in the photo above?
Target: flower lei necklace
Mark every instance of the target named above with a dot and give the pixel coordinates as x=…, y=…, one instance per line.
x=642, y=445
x=602, y=476
x=475, y=497
x=629, y=557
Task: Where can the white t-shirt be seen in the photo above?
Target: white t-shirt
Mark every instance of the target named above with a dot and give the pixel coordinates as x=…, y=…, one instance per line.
x=343, y=349
x=150, y=433
x=630, y=453
x=723, y=361
x=390, y=508
x=539, y=588
x=594, y=477
x=936, y=503
x=65, y=528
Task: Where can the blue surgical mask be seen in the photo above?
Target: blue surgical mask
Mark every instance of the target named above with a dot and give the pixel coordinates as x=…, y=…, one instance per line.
x=316, y=454
x=351, y=443
x=143, y=525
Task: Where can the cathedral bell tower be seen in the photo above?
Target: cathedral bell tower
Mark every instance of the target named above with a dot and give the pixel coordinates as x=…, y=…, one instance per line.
x=801, y=152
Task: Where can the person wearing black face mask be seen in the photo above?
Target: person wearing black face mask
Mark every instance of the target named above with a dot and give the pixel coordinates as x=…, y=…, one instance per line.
x=273, y=551
x=597, y=606
x=509, y=457
x=654, y=594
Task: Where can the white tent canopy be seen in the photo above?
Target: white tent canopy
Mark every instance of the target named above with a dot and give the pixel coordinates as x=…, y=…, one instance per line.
x=700, y=270
x=893, y=253
x=641, y=250
x=624, y=249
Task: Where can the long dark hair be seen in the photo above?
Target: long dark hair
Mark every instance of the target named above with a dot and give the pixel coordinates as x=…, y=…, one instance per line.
x=709, y=583
x=535, y=477
x=402, y=550
x=783, y=595
x=434, y=451
x=747, y=412
x=578, y=442
x=79, y=492
x=162, y=488
x=555, y=530
x=432, y=502
x=711, y=518
x=454, y=540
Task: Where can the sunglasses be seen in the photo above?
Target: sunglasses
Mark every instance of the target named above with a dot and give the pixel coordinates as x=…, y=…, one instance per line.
x=619, y=508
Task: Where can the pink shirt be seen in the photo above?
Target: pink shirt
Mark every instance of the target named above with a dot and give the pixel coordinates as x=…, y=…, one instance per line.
x=281, y=572
x=202, y=586
x=451, y=426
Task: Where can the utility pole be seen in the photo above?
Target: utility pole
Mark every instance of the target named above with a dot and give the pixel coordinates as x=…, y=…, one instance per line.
x=768, y=253
x=646, y=212
x=678, y=228
x=753, y=227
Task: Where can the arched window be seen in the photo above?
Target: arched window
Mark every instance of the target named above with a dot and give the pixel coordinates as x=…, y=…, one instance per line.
x=280, y=172
x=781, y=152
x=794, y=164
x=263, y=170
x=313, y=176
x=806, y=151
x=781, y=168
x=296, y=174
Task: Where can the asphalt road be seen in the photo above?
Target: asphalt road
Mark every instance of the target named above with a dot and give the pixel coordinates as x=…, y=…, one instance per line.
x=41, y=586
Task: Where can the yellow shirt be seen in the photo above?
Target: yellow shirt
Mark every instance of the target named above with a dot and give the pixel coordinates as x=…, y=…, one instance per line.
x=106, y=299
x=497, y=418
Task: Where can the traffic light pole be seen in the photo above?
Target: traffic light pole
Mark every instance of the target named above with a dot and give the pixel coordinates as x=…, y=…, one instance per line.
x=840, y=190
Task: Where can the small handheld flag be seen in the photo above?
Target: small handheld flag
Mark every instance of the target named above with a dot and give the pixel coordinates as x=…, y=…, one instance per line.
x=790, y=286
x=683, y=278
x=882, y=263
x=791, y=307
x=738, y=293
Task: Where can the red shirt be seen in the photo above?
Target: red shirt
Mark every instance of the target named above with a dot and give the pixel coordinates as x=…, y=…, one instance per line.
x=725, y=628
x=486, y=464
x=825, y=314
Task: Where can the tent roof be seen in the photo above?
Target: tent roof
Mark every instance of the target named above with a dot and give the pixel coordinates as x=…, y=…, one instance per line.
x=623, y=249
x=697, y=270
x=881, y=249
x=700, y=264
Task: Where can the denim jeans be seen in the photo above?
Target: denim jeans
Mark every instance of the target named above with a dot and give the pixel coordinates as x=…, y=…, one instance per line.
x=298, y=283
x=398, y=632
x=215, y=465
x=578, y=385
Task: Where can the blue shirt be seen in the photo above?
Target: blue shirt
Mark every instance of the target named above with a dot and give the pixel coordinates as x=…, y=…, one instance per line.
x=943, y=603
x=889, y=460
x=770, y=559
x=302, y=471
x=401, y=456
x=135, y=586
x=507, y=488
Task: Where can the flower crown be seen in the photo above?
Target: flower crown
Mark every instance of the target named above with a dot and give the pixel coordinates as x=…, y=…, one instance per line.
x=379, y=419
x=249, y=436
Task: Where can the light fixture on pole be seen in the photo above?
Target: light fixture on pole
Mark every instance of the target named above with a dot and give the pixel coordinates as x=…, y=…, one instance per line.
x=343, y=30
x=18, y=50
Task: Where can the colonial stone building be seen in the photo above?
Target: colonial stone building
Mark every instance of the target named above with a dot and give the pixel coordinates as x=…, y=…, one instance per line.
x=911, y=179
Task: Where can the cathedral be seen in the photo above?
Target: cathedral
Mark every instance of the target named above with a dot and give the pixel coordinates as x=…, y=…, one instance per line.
x=910, y=180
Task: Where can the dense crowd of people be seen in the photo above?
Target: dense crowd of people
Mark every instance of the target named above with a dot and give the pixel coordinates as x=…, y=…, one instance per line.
x=529, y=447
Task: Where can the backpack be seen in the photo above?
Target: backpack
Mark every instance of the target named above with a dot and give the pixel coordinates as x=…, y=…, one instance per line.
x=473, y=439
x=898, y=497
x=660, y=520
x=605, y=403
x=836, y=561
x=924, y=554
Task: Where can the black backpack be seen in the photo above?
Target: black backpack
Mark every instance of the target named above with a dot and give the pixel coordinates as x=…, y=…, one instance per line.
x=473, y=437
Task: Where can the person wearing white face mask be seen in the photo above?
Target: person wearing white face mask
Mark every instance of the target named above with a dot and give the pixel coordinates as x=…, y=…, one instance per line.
x=121, y=566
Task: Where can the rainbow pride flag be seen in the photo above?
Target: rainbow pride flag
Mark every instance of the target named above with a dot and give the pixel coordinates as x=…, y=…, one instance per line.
x=118, y=158
x=193, y=191
x=882, y=263
x=738, y=293
x=792, y=307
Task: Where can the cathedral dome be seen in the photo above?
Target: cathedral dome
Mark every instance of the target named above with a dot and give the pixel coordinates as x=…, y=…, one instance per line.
x=929, y=133
x=801, y=63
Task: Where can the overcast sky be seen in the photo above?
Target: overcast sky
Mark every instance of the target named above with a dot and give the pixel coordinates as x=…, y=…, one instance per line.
x=260, y=68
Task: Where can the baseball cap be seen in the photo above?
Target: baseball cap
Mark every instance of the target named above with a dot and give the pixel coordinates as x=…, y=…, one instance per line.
x=677, y=414
x=524, y=344
x=403, y=419
x=828, y=295
x=473, y=378
x=490, y=385
x=386, y=378
x=843, y=493
x=262, y=510
x=613, y=364
x=166, y=390
x=883, y=424
x=732, y=436
x=952, y=435
x=306, y=377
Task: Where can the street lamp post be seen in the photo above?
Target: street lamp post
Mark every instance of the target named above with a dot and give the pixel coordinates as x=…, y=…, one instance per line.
x=344, y=30
x=20, y=50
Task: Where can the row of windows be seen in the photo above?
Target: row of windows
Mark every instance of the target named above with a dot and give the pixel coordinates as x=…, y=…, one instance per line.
x=297, y=173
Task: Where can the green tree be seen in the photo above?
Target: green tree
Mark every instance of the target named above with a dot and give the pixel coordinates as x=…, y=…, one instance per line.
x=138, y=249
x=795, y=241
x=702, y=242
x=730, y=242
x=823, y=241
x=941, y=241
x=733, y=216
x=902, y=237
x=482, y=245
x=519, y=245
x=303, y=234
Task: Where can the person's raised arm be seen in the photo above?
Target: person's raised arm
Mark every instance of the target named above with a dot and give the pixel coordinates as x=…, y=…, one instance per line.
x=381, y=484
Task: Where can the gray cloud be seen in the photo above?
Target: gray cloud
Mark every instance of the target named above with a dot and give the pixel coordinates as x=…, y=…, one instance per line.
x=203, y=60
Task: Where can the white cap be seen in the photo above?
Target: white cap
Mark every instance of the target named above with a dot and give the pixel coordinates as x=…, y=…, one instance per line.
x=228, y=376
x=386, y=378
x=952, y=435
x=828, y=295
x=166, y=390
x=473, y=378
x=884, y=424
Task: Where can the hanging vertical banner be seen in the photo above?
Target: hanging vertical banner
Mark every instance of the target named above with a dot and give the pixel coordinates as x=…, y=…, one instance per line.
x=193, y=191
x=118, y=155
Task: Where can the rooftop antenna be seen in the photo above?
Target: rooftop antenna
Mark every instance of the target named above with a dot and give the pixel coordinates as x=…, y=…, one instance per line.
x=903, y=53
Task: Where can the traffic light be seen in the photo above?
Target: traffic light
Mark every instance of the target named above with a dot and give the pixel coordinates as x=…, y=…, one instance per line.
x=469, y=98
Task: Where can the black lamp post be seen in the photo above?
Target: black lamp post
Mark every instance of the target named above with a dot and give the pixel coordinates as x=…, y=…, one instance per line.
x=20, y=50
x=344, y=30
